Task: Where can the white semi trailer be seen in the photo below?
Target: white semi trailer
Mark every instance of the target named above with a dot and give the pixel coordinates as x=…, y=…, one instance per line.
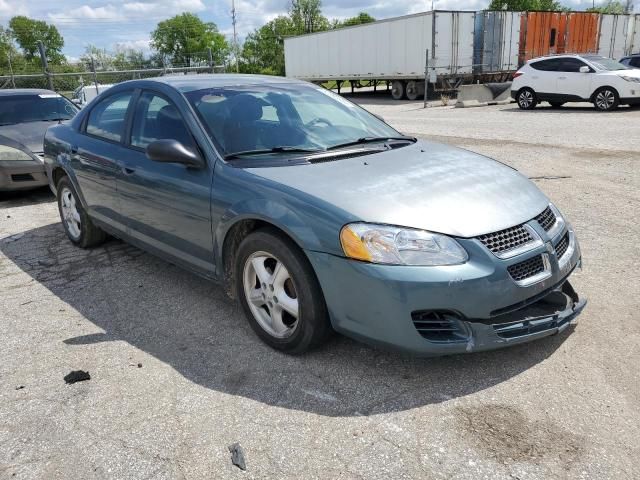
x=397, y=51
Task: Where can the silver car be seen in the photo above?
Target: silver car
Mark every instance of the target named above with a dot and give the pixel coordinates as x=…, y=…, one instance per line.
x=25, y=115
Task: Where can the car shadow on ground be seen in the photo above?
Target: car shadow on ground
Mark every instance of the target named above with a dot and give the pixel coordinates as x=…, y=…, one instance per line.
x=190, y=324
x=24, y=198
x=581, y=108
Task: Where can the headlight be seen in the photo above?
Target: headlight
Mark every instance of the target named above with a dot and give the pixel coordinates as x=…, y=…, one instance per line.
x=399, y=246
x=630, y=79
x=10, y=153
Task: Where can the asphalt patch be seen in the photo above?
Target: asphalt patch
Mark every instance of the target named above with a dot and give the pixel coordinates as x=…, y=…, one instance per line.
x=77, y=376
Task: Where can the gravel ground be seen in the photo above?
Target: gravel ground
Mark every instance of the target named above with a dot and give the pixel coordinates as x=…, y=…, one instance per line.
x=177, y=375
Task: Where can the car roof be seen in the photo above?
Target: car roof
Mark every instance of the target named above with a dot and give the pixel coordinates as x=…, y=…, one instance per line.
x=221, y=80
x=24, y=91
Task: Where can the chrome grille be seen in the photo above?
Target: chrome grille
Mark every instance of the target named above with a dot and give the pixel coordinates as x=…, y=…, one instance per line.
x=506, y=239
x=527, y=269
x=546, y=219
x=561, y=247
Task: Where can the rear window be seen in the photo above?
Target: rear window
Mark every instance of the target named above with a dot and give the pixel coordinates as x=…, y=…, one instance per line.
x=550, y=65
x=15, y=109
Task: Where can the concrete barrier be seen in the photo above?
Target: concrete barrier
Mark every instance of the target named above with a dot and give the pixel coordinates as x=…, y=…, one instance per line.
x=481, y=95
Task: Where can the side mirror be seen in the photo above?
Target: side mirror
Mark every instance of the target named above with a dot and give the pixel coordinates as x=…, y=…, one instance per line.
x=584, y=69
x=172, y=151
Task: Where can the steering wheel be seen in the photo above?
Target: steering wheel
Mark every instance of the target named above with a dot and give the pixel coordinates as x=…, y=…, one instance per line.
x=315, y=121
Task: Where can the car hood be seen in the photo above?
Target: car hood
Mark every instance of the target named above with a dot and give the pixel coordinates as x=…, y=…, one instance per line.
x=426, y=185
x=633, y=72
x=30, y=134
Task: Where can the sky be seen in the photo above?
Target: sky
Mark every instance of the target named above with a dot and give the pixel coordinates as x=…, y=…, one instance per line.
x=110, y=24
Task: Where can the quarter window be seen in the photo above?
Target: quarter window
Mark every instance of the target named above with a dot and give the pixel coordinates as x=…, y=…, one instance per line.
x=158, y=119
x=107, y=118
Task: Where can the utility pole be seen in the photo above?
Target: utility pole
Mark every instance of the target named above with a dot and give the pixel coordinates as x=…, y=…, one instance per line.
x=235, y=35
x=13, y=82
x=45, y=64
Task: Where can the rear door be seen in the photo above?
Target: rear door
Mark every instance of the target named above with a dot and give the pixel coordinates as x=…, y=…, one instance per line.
x=96, y=155
x=166, y=205
x=544, y=76
x=571, y=82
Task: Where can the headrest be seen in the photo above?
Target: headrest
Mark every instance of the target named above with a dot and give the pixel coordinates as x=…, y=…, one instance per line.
x=245, y=108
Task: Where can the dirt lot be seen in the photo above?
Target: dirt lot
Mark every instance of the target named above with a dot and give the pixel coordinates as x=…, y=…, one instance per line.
x=177, y=375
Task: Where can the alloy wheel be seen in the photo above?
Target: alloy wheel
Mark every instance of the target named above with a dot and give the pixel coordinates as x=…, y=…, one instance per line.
x=271, y=294
x=605, y=99
x=525, y=99
x=70, y=214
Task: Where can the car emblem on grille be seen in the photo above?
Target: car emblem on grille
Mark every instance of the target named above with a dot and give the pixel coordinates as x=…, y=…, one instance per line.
x=550, y=248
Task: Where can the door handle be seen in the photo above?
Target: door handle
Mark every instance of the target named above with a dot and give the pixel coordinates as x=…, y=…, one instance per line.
x=128, y=171
x=562, y=78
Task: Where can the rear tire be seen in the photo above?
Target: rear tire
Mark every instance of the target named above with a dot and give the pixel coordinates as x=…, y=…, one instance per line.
x=606, y=99
x=556, y=104
x=77, y=224
x=412, y=90
x=279, y=293
x=526, y=99
x=398, y=89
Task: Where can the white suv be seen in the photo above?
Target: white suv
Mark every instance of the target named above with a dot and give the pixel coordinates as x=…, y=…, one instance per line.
x=559, y=79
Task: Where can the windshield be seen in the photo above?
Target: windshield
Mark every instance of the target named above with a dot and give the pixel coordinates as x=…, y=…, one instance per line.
x=283, y=117
x=35, y=108
x=603, y=63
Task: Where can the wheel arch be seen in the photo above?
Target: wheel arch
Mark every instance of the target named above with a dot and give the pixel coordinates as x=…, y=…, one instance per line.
x=601, y=87
x=231, y=233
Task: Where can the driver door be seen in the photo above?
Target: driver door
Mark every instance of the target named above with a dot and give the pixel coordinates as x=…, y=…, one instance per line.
x=166, y=205
x=571, y=81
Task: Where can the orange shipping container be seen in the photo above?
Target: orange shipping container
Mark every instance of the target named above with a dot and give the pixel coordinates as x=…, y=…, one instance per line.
x=546, y=33
x=582, y=33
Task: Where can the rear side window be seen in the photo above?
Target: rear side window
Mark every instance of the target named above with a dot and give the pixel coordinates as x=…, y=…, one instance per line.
x=571, y=65
x=107, y=118
x=626, y=62
x=550, y=65
x=635, y=62
x=158, y=119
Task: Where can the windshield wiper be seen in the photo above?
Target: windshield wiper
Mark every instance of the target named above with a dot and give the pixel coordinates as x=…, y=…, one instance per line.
x=363, y=140
x=265, y=151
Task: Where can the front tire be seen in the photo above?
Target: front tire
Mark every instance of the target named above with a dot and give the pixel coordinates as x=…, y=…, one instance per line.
x=526, y=99
x=606, y=99
x=77, y=224
x=279, y=293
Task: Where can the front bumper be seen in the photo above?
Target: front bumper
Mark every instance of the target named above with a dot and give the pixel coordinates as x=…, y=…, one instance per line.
x=477, y=305
x=22, y=175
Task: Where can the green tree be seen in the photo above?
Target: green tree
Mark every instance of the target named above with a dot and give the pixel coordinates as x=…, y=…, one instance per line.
x=611, y=7
x=307, y=17
x=263, y=49
x=526, y=5
x=185, y=37
x=362, y=17
x=27, y=32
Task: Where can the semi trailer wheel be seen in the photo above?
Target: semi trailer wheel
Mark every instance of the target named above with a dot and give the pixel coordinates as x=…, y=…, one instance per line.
x=398, y=89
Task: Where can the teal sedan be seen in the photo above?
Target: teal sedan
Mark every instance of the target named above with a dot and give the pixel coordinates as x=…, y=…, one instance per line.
x=316, y=215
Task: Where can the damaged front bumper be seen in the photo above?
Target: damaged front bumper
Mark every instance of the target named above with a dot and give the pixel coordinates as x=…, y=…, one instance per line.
x=431, y=311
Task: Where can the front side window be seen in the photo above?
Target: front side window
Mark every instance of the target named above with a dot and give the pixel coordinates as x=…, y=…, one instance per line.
x=156, y=118
x=107, y=118
x=44, y=107
x=571, y=65
x=635, y=62
x=275, y=116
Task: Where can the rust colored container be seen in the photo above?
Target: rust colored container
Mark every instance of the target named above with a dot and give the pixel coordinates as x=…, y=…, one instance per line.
x=546, y=33
x=582, y=33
